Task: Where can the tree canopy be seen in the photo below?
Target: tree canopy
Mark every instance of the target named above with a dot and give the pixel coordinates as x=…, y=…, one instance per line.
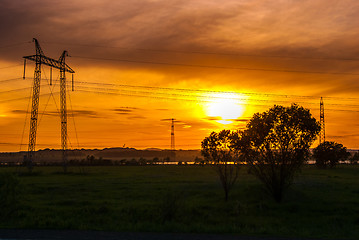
x=276, y=144
x=329, y=154
x=217, y=150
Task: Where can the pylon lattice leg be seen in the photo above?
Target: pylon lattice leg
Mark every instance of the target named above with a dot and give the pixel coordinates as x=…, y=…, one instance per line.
x=63, y=118
x=34, y=115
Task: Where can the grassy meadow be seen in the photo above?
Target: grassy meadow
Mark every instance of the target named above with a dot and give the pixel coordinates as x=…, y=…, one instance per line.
x=163, y=198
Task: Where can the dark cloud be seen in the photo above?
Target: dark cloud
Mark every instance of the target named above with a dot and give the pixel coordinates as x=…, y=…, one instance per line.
x=126, y=111
x=123, y=111
x=136, y=117
x=245, y=120
x=247, y=28
x=76, y=113
x=213, y=118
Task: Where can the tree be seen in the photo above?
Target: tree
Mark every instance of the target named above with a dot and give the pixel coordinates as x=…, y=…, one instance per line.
x=329, y=154
x=355, y=158
x=216, y=149
x=276, y=143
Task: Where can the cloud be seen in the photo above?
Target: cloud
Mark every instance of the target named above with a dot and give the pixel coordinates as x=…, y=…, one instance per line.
x=213, y=118
x=136, y=117
x=123, y=111
x=126, y=111
x=244, y=120
x=77, y=113
x=306, y=29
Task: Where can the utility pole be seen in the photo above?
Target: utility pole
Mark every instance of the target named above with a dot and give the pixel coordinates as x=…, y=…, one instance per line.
x=35, y=103
x=63, y=109
x=173, y=147
x=322, y=122
x=39, y=58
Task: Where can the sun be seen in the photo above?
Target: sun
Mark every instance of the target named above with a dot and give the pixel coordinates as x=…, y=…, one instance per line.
x=225, y=107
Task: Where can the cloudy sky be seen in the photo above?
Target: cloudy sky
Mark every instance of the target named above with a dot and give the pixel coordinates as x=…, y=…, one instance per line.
x=208, y=64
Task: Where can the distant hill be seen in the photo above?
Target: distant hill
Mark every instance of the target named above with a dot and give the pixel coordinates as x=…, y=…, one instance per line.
x=114, y=154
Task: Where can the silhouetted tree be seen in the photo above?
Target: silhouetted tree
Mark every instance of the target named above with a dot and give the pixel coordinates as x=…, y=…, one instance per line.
x=216, y=149
x=329, y=154
x=276, y=144
x=355, y=158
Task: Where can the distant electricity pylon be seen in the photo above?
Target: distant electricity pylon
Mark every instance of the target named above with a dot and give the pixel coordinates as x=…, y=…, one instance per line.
x=173, y=147
x=40, y=58
x=322, y=122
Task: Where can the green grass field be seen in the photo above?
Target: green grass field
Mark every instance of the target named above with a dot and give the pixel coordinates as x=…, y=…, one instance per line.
x=321, y=203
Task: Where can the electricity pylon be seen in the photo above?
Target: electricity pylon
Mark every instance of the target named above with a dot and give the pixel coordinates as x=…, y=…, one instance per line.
x=173, y=148
x=39, y=58
x=322, y=122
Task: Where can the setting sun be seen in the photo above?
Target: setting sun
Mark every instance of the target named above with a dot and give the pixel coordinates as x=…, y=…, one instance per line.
x=225, y=106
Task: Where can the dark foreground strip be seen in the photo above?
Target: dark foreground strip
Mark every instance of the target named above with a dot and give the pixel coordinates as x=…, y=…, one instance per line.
x=22, y=234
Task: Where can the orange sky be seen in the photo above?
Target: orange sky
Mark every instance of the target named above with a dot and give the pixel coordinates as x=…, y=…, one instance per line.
x=140, y=63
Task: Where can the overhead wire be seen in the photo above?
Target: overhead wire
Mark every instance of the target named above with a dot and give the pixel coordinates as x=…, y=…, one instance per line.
x=73, y=120
x=154, y=96
x=10, y=79
x=215, y=66
x=22, y=98
x=210, y=97
x=51, y=95
x=214, y=91
x=131, y=93
x=14, y=44
x=207, y=53
x=26, y=114
x=12, y=66
x=14, y=90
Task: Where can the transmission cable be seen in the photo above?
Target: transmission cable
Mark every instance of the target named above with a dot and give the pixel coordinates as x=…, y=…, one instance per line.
x=12, y=66
x=217, y=67
x=209, y=53
x=73, y=120
x=11, y=79
x=26, y=114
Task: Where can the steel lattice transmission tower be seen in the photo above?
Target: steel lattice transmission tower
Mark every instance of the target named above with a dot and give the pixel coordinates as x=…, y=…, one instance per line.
x=173, y=148
x=322, y=122
x=39, y=58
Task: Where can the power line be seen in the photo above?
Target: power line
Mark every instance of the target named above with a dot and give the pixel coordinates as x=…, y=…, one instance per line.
x=208, y=91
x=15, y=90
x=13, y=45
x=22, y=98
x=10, y=79
x=209, y=53
x=11, y=66
x=168, y=89
x=217, y=67
x=175, y=96
x=213, y=91
x=193, y=100
x=27, y=111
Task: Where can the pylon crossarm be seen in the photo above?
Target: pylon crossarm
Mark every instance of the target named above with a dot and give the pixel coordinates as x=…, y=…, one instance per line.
x=50, y=62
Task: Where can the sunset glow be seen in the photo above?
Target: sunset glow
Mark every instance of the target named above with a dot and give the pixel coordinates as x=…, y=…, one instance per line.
x=226, y=107
x=208, y=65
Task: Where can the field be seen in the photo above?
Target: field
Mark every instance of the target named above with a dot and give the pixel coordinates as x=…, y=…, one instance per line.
x=320, y=204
